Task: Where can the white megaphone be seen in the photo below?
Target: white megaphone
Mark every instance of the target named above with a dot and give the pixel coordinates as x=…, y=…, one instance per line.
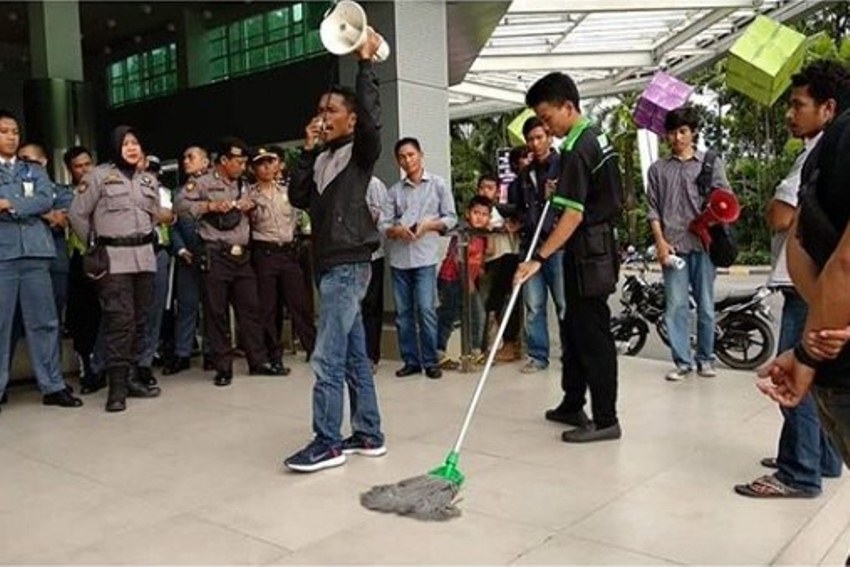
x=344, y=29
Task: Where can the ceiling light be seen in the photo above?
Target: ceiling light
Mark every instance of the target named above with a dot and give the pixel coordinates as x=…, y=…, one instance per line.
x=137, y=39
x=171, y=27
x=206, y=14
x=111, y=23
x=146, y=9
x=13, y=16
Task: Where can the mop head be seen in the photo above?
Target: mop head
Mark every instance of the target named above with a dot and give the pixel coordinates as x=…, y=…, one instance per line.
x=425, y=497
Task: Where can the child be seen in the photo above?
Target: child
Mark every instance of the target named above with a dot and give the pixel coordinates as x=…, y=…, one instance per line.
x=449, y=288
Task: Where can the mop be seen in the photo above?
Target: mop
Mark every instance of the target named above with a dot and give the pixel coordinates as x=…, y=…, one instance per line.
x=433, y=496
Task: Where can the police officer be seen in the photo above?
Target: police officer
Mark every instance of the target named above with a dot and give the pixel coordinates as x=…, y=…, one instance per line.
x=187, y=250
x=117, y=207
x=162, y=247
x=82, y=316
x=26, y=250
x=275, y=258
x=218, y=201
x=589, y=193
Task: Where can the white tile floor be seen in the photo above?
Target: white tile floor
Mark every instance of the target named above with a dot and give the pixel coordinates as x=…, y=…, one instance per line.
x=194, y=477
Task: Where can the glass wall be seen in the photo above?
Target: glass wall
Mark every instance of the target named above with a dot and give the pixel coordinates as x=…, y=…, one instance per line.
x=142, y=76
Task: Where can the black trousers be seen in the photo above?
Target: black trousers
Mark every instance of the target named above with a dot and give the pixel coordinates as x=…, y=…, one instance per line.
x=82, y=314
x=372, y=309
x=501, y=274
x=231, y=281
x=280, y=282
x=125, y=300
x=589, y=360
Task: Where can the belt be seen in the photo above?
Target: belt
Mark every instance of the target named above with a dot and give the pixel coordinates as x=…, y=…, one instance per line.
x=274, y=246
x=232, y=249
x=126, y=241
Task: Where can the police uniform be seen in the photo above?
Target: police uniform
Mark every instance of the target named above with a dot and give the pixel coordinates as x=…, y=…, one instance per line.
x=26, y=250
x=184, y=236
x=275, y=260
x=119, y=209
x=227, y=274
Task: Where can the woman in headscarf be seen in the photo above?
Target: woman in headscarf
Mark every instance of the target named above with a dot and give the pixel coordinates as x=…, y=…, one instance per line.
x=116, y=208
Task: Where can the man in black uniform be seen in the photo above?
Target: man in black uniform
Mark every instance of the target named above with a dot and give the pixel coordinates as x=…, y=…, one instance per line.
x=589, y=193
x=217, y=201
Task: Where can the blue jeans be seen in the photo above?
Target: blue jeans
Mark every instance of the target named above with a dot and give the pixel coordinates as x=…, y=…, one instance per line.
x=415, y=293
x=697, y=275
x=834, y=411
x=340, y=357
x=150, y=341
x=27, y=280
x=550, y=276
x=805, y=451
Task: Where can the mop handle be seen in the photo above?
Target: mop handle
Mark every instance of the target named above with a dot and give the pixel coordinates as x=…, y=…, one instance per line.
x=491, y=356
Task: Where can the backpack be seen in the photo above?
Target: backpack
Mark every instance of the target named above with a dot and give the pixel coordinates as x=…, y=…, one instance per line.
x=723, y=249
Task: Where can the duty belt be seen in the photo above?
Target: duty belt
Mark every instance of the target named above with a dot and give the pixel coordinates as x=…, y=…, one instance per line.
x=126, y=241
x=274, y=246
x=232, y=249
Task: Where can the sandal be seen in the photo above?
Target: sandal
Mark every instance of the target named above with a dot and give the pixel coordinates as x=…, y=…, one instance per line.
x=768, y=486
x=769, y=463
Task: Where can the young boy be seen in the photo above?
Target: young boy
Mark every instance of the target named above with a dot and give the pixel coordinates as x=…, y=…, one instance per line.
x=449, y=287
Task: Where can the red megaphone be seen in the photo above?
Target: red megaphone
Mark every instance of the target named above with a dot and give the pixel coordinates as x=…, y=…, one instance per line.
x=722, y=208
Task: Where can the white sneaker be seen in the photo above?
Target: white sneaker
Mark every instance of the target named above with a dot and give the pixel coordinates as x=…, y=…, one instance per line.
x=532, y=367
x=706, y=369
x=679, y=374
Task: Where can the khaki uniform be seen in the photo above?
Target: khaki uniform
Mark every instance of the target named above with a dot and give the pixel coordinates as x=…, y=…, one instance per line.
x=227, y=275
x=121, y=212
x=280, y=279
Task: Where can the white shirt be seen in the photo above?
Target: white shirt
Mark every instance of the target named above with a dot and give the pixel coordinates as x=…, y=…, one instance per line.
x=787, y=192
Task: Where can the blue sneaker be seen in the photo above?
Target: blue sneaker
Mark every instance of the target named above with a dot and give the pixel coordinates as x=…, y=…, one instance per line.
x=359, y=444
x=316, y=456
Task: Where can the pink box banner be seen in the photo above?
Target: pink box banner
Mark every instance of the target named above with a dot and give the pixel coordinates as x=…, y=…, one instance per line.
x=663, y=94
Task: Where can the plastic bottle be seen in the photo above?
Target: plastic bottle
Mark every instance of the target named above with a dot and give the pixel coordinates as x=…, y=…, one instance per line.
x=675, y=262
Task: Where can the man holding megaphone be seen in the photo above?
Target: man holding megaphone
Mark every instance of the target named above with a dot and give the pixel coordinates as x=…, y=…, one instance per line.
x=330, y=180
x=680, y=217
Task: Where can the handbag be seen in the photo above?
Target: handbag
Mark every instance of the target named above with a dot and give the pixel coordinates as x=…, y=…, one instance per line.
x=95, y=259
x=723, y=249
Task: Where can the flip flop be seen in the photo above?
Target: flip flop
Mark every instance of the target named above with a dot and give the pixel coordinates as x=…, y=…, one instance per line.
x=769, y=462
x=768, y=486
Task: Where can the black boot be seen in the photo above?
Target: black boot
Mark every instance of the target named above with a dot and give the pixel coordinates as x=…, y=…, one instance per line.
x=90, y=381
x=116, y=400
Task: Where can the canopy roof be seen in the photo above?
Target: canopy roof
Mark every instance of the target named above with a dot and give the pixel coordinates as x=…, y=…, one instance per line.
x=607, y=46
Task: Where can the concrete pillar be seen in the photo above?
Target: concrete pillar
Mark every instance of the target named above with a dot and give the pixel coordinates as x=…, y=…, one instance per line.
x=58, y=106
x=193, y=69
x=414, y=99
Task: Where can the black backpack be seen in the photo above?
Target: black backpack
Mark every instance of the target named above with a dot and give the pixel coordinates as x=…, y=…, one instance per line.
x=724, y=248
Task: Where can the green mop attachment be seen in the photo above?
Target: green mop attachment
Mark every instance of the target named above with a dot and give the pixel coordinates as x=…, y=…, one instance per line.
x=433, y=496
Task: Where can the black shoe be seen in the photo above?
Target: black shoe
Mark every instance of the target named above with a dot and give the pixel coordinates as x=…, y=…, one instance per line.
x=62, y=398
x=145, y=376
x=176, y=365
x=434, y=372
x=223, y=378
x=116, y=399
x=407, y=370
x=208, y=364
x=574, y=418
x=279, y=367
x=136, y=389
x=268, y=369
x=591, y=433
x=91, y=383
x=4, y=399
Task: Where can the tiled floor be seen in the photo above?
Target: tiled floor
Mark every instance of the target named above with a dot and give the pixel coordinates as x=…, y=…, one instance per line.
x=194, y=477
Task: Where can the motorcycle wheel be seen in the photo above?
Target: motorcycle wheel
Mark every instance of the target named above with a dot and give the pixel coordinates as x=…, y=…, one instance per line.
x=746, y=342
x=629, y=334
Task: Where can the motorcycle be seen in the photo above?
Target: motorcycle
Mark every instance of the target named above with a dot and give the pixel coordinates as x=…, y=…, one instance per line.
x=743, y=338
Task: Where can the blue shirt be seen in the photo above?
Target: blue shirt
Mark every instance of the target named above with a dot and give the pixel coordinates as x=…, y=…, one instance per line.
x=408, y=204
x=23, y=234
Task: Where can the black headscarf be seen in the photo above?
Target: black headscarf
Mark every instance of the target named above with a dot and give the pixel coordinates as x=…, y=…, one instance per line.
x=117, y=140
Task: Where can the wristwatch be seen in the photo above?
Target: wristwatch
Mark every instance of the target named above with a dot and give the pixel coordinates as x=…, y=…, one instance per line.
x=538, y=258
x=804, y=358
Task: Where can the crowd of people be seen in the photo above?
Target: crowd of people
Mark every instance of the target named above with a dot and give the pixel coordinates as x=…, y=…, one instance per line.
x=112, y=246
